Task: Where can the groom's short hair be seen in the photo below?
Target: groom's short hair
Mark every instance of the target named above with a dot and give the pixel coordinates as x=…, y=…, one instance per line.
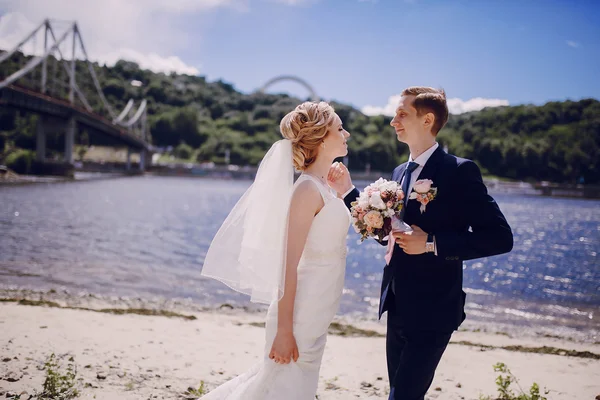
x=428, y=99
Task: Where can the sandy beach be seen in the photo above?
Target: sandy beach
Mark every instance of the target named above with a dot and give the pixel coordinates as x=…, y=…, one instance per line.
x=133, y=356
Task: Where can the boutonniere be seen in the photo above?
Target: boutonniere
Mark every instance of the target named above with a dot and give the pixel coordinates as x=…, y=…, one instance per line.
x=423, y=192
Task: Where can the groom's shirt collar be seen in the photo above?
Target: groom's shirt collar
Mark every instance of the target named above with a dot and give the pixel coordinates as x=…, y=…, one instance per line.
x=423, y=158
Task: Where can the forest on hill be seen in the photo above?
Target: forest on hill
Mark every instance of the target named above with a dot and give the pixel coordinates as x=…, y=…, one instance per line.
x=202, y=121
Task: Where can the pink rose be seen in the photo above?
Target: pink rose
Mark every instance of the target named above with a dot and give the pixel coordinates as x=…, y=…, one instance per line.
x=390, y=204
x=423, y=185
x=374, y=219
x=400, y=195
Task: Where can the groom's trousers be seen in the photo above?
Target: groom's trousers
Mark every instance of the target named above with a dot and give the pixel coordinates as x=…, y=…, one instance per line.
x=412, y=357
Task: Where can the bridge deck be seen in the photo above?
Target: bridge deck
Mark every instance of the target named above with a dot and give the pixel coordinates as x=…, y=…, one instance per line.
x=26, y=99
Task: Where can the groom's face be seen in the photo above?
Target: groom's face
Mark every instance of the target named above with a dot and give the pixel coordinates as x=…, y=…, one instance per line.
x=406, y=122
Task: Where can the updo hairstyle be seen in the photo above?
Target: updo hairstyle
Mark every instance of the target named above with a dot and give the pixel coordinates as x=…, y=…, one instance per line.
x=306, y=126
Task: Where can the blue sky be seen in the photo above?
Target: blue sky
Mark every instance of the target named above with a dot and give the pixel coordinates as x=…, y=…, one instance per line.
x=356, y=52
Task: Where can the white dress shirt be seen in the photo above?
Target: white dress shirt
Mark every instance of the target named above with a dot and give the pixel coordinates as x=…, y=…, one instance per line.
x=421, y=160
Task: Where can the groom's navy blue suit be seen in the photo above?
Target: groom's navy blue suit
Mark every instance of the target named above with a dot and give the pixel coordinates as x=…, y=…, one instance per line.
x=423, y=293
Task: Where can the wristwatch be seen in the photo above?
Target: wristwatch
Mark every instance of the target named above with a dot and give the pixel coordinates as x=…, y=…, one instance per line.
x=430, y=245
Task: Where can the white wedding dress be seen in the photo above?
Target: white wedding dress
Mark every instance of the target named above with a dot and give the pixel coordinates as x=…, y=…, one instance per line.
x=320, y=282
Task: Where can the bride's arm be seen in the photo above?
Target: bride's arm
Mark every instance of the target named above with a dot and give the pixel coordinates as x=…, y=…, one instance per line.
x=306, y=203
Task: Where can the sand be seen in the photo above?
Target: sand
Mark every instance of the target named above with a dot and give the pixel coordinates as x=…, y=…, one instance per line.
x=144, y=357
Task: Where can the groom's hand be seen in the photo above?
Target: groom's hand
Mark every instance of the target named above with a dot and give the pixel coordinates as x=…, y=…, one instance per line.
x=339, y=178
x=412, y=243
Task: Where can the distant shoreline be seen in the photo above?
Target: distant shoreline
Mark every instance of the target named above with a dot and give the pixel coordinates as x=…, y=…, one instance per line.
x=96, y=172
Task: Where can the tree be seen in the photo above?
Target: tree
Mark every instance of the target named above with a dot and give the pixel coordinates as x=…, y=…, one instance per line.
x=558, y=141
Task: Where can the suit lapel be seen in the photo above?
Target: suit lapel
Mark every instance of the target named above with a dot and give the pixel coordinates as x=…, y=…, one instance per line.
x=428, y=172
x=432, y=164
x=398, y=177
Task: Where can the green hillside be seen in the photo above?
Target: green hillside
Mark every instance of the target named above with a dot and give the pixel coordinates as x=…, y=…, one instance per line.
x=559, y=141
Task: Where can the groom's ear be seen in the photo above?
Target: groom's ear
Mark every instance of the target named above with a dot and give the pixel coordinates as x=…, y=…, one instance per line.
x=429, y=120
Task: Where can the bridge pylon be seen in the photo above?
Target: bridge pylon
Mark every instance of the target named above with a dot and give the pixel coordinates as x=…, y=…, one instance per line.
x=49, y=84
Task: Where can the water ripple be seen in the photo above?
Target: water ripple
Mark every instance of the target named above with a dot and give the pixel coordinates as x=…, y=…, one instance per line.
x=148, y=236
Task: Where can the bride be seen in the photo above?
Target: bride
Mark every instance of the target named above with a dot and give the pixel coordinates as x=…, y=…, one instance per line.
x=284, y=244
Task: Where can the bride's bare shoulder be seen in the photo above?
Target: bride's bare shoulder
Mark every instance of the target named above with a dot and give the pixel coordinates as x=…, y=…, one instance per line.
x=306, y=189
x=306, y=195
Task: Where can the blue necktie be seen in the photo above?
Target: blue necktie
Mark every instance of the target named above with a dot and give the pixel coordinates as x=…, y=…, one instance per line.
x=406, y=183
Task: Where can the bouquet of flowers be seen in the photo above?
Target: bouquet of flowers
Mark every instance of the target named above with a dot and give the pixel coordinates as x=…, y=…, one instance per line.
x=374, y=209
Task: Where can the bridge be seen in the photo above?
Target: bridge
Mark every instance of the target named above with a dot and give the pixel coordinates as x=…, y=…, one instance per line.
x=49, y=85
x=300, y=81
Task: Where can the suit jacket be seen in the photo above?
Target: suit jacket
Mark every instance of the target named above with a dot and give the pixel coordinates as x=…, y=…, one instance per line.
x=467, y=224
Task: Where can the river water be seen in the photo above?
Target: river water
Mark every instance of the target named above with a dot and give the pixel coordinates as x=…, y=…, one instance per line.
x=147, y=236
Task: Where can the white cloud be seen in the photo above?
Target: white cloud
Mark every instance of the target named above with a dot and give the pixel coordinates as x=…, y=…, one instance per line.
x=458, y=106
x=389, y=109
x=571, y=43
x=14, y=27
x=455, y=105
x=151, y=61
x=144, y=31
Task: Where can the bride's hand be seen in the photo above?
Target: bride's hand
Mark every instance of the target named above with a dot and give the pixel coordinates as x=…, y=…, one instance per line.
x=339, y=178
x=284, y=348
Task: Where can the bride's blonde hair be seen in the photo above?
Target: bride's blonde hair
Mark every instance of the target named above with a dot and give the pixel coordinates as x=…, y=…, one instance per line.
x=306, y=126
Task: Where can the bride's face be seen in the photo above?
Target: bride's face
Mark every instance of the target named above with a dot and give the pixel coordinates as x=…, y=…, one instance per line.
x=335, y=141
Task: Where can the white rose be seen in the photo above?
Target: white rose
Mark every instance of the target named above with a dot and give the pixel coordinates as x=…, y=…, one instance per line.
x=363, y=201
x=377, y=202
x=423, y=185
x=389, y=186
x=377, y=182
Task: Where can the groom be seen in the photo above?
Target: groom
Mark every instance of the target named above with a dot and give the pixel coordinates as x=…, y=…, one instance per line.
x=422, y=281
